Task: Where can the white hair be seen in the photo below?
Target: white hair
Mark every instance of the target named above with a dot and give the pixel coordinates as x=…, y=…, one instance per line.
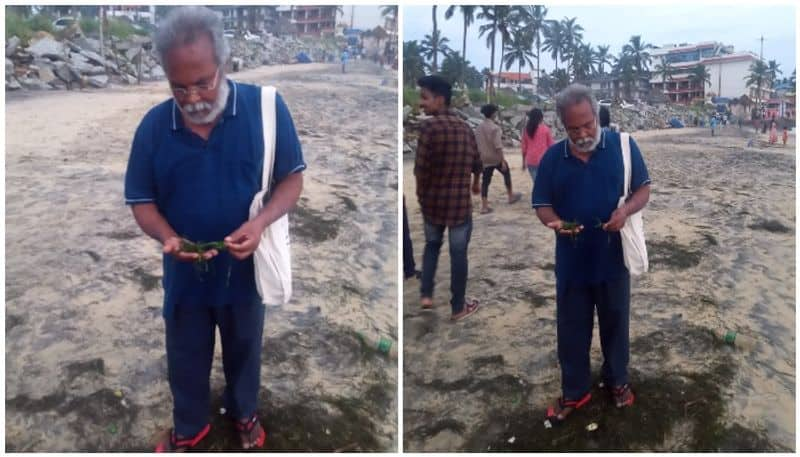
x=183, y=25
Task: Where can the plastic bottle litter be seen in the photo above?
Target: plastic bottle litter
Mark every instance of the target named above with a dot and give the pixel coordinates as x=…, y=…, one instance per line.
x=383, y=345
x=734, y=338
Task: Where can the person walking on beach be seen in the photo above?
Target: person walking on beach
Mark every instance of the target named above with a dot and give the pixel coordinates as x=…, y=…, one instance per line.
x=446, y=156
x=536, y=138
x=785, y=135
x=345, y=57
x=579, y=181
x=713, y=123
x=773, y=134
x=488, y=136
x=194, y=168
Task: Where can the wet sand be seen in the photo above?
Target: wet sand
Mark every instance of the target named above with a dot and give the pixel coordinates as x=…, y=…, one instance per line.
x=721, y=237
x=85, y=357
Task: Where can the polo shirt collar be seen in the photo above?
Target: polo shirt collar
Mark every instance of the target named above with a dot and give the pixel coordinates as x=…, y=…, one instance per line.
x=600, y=145
x=230, y=106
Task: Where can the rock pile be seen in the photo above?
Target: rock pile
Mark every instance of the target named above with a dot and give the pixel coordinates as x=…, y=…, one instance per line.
x=512, y=120
x=50, y=63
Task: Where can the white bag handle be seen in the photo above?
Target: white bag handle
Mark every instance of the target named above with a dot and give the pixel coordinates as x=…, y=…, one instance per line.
x=625, y=142
x=268, y=119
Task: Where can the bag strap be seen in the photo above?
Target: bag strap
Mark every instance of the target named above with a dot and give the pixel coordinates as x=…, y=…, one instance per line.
x=268, y=119
x=625, y=143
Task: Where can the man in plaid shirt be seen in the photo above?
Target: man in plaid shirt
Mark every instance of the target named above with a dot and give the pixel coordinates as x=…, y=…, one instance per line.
x=446, y=156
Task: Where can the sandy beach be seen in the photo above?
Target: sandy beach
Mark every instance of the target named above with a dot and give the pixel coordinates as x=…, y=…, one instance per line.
x=721, y=237
x=85, y=357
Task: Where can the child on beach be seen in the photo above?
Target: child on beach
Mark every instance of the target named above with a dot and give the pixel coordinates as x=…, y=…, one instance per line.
x=785, y=135
x=773, y=134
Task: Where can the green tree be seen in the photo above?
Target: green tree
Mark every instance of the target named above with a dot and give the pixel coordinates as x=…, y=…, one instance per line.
x=584, y=62
x=572, y=38
x=519, y=51
x=468, y=13
x=773, y=70
x=432, y=46
x=413, y=62
x=532, y=17
x=700, y=76
x=554, y=40
x=602, y=58
x=665, y=71
x=625, y=69
x=759, y=75
x=638, y=51
x=453, y=66
x=560, y=80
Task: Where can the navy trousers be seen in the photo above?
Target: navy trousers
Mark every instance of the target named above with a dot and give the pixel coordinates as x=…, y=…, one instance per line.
x=575, y=305
x=458, y=237
x=190, y=351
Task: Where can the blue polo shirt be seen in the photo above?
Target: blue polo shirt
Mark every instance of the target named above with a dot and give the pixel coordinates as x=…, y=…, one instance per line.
x=203, y=188
x=587, y=193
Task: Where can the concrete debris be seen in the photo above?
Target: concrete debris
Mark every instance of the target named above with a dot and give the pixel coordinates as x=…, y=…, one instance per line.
x=11, y=46
x=513, y=120
x=48, y=63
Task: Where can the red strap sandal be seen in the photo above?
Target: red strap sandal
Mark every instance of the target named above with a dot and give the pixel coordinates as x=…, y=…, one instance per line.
x=179, y=445
x=552, y=417
x=623, y=396
x=246, y=427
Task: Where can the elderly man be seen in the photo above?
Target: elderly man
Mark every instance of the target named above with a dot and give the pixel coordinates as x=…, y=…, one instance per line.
x=446, y=156
x=195, y=165
x=579, y=182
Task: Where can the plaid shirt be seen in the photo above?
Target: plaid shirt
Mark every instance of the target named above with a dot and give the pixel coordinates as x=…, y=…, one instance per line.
x=446, y=156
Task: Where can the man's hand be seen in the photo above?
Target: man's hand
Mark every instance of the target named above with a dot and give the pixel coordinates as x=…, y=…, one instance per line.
x=558, y=226
x=172, y=246
x=476, y=188
x=504, y=166
x=243, y=241
x=618, y=218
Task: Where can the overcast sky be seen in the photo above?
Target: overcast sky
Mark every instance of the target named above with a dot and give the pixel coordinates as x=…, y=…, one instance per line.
x=364, y=16
x=740, y=25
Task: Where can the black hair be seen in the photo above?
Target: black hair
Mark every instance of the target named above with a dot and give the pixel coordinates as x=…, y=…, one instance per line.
x=605, y=117
x=488, y=110
x=535, y=117
x=437, y=85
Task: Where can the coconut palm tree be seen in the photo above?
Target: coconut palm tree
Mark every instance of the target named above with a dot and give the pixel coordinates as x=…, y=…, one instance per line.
x=625, y=67
x=490, y=30
x=468, y=13
x=638, y=51
x=434, y=34
x=603, y=57
x=665, y=71
x=533, y=18
x=773, y=70
x=506, y=21
x=413, y=62
x=432, y=46
x=554, y=40
x=700, y=76
x=519, y=51
x=584, y=62
x=572, y=37
x=759, y=75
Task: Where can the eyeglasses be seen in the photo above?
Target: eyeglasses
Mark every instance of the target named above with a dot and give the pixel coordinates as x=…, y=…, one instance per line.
x=183, y=92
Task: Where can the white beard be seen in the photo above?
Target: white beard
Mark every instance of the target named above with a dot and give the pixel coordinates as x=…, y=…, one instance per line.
x=585, y=145
x=190, y=110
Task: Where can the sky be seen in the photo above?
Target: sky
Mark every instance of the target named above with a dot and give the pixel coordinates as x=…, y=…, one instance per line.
x=364, y=16
x=740, y=25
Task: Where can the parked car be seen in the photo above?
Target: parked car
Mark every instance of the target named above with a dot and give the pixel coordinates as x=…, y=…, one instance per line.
x=63, y=22
x=606, y=103
x=229, y=33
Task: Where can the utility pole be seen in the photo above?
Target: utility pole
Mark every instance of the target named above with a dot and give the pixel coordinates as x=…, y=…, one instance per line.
x=352, y=13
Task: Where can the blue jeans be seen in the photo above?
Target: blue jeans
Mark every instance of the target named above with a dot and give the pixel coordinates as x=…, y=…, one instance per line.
x=532, y=170
x=190, y=351
x=575, y=307
x=458, y=237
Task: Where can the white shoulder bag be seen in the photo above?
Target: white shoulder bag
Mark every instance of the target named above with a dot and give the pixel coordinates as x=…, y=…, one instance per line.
x=272, y=258
x=634, y=249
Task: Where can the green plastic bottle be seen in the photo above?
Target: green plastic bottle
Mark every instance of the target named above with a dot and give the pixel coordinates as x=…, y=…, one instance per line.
x=385, y=346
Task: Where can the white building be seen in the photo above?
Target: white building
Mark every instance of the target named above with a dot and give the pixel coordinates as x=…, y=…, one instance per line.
x=728, y=71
